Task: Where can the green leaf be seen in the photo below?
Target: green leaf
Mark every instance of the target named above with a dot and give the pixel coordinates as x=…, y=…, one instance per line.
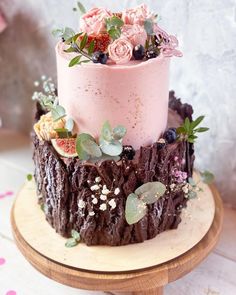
x=69, y=124
x=58, y=112
x=75, y=61
x=73, y=38
x=85, y=61
x=83, y=42
x=201, y=129
x=114, y=33
x=29, y=177
x=196, y=122
x=75, y=235
x=71, y=243
x=187, y=124
x=63, y=132
x=115, y=21
x=113, y=148
x=148, y=26
x=83, y=155
x=191, y=182
x=106, y=132
x=70, y=49
x=42, y=207
x=91, y=148
x=91, y=47
x=119, y=132
x=207, y=177
x=81, y=7
x=181, y=130
x=57, y=33
x=150, y=192
x=192, y=195
x=135, y=209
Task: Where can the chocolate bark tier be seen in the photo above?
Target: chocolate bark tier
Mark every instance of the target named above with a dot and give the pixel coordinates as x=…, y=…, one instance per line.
x=72, y=191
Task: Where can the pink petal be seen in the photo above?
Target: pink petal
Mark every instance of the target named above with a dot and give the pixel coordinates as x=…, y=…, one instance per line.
x=2, y=261
x=9, y=193
x=11, y=292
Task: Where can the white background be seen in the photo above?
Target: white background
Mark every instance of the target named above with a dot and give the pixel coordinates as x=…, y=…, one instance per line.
x=205, y=76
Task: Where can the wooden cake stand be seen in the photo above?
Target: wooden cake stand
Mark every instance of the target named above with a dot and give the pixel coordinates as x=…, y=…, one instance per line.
x=143, y=268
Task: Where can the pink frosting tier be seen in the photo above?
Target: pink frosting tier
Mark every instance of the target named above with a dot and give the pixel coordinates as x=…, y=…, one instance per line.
x=134, y=95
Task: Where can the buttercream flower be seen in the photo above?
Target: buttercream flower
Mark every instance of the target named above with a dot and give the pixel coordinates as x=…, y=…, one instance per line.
x=136, y=34
x=93, y=22
x=169, y=43
x=45, y=127
x=120, y=51
x=136, y=15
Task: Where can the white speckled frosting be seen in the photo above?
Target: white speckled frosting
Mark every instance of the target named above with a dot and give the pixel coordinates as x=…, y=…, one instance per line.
x=134, y=95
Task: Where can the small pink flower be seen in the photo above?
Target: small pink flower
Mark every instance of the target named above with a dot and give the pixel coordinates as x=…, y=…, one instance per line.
x=169, y=43
x=120, y=51
x=136, y=34
x=93, y=22
x=136, y=15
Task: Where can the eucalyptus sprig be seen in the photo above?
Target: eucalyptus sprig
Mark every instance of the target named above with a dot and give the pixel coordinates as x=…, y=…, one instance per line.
x=188, y=130
x=109, y=144
x=113, y=26
x=136, y=203
x=80, y=8
x=74, y=240
x=63, y=33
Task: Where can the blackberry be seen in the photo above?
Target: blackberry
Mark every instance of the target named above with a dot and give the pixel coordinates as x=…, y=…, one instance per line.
x=138, y=52
x=99, y=57
x=170, y=135
x=128, y=152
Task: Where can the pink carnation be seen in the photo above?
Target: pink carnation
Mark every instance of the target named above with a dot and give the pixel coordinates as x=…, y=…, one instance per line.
x=136, y=34
x=120, y=51
x=93, y=22
x=136, y=15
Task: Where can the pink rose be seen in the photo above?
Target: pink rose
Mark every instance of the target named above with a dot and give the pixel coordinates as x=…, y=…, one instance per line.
x=93, y=22
x=120, y=51
x=136, y=34
x=136, y=15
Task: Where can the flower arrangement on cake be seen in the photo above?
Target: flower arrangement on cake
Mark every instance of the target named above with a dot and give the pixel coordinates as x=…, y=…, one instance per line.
x=113, y=149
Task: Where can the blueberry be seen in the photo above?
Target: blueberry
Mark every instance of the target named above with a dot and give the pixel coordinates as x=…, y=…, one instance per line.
x=99, y=57
x=170, y=135
x=138, y=52
x=128, y=152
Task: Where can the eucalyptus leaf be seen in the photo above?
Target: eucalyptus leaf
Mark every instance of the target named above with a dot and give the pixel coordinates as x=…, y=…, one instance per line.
x=207, y=177
x=191, y=182
x=69, y=124
x=113, y=148
x=148, y=26
x=83, y=155
x=70, y=49
x=75, y=61
x=81, y=7
x=119, y=132
x=150, y=192
x=91, y=148
x=135, y=209
x=58, y=112
x=75, y=235
x=114, y=33
x=71, y=243
x=106, y=132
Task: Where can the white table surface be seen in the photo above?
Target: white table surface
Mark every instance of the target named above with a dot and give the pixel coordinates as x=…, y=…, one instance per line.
x=215, y=276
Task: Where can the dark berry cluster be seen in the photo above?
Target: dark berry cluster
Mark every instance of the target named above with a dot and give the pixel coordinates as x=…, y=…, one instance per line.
x=170, y=135
x=128, y=152
x=99, y=57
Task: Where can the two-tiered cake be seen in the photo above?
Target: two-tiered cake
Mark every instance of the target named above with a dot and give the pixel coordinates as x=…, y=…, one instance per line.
x=112, y=160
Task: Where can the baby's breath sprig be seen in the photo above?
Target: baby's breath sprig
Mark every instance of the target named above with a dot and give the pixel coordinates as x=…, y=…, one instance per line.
x=48, y=98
